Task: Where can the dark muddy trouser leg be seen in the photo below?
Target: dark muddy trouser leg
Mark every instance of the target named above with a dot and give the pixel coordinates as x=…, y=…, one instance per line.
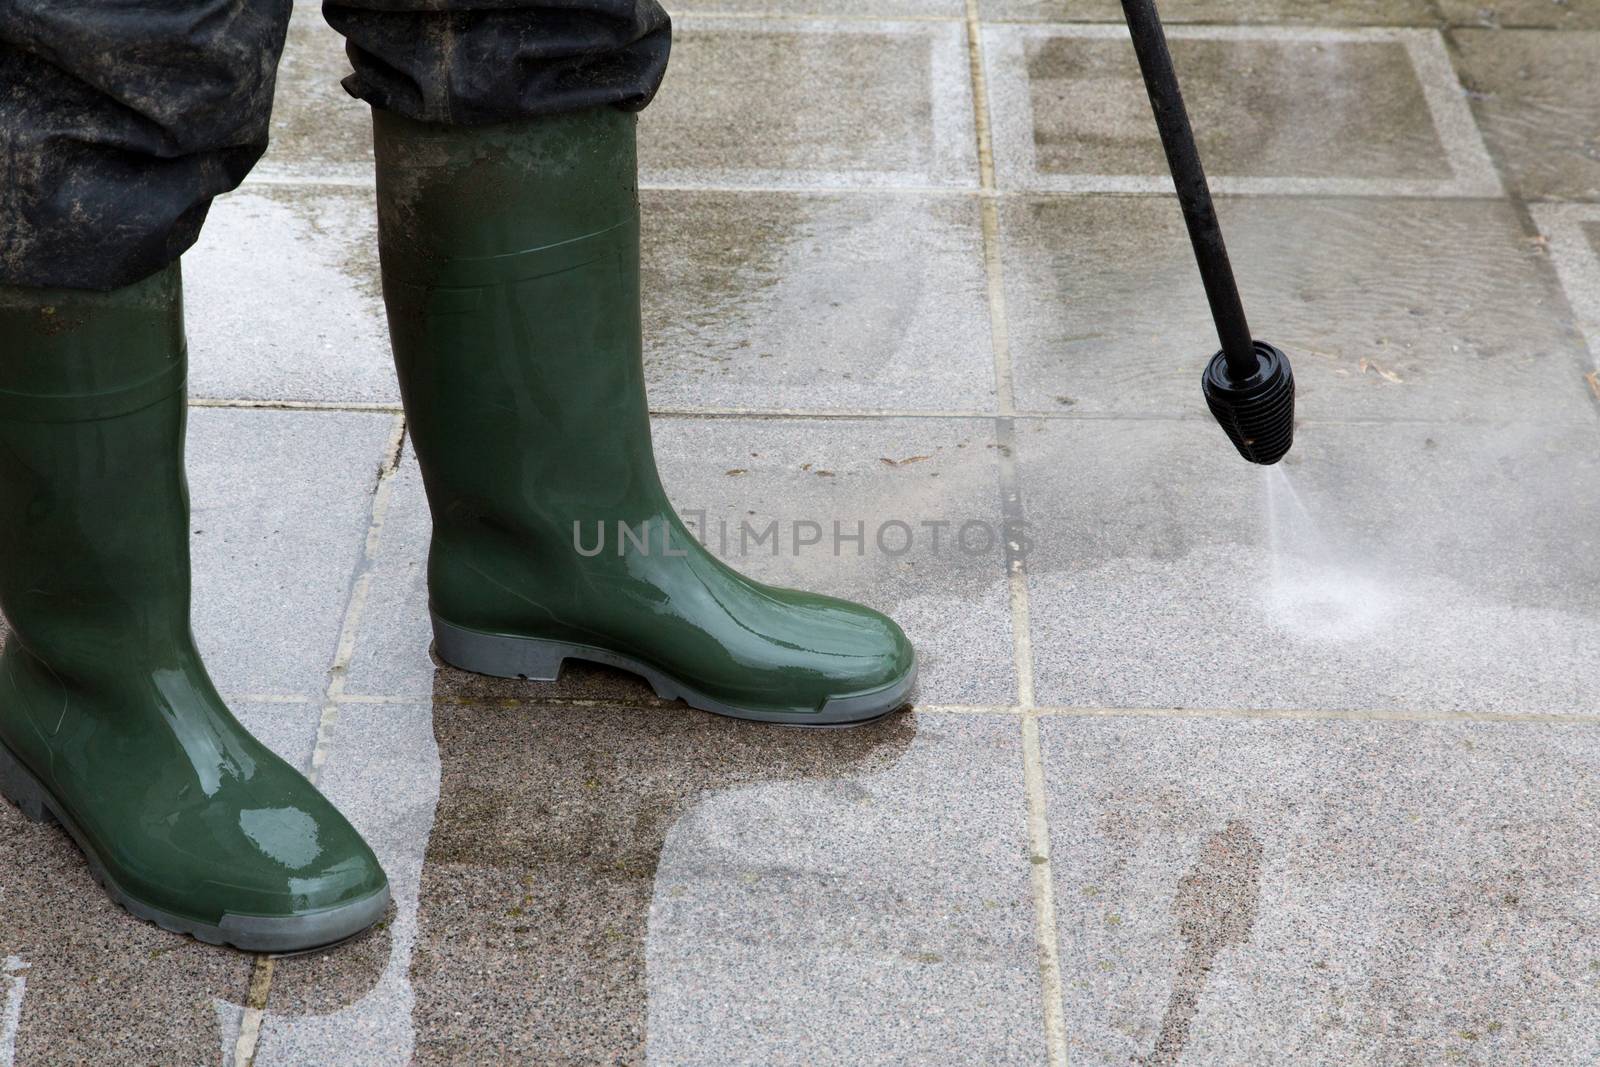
x=472, y=62
x=118, y=124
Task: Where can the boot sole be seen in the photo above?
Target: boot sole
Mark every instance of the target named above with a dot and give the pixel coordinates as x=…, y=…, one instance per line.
x=539, y=660
x=251, y=933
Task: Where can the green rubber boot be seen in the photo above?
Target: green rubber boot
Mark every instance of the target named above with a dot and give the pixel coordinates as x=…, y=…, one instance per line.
x=109, y=723
x=511, y=273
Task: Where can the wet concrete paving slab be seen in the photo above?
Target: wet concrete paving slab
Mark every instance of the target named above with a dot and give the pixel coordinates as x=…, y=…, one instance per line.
x=1275, y=110
x=632, y=885
x=812, y=103
x=1383, y=567
x=278, y=518
x=1545, y=14
x=1263, y=892
x=816, y=302
x=1533, y=94
x=319, y=131
x=254, y=334
x=1436, y=310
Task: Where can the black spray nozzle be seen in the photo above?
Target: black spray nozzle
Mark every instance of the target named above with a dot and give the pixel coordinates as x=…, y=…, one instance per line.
x=1255, y=410
x=1248, y=385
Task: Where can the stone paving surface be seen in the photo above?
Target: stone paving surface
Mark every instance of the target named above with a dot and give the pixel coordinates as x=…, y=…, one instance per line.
x=1209, y=765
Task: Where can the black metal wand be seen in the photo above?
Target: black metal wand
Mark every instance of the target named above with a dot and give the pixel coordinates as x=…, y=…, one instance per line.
x=1248, y=385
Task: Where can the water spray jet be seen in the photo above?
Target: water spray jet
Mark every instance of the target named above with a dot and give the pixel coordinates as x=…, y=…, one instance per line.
x=1248, y=385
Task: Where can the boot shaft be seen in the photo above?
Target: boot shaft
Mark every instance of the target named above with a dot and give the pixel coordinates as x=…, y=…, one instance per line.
x=511, y=275
x=76, y=355
x=453, y=193
x=94, y=553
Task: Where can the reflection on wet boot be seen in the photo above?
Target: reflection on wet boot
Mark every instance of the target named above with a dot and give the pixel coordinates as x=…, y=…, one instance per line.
x=539, y=875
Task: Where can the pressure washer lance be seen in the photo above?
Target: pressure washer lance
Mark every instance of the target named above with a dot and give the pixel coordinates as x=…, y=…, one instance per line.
x=1248, y=385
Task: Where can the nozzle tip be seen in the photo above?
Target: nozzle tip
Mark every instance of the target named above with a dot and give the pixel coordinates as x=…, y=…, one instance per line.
x=1257, y=413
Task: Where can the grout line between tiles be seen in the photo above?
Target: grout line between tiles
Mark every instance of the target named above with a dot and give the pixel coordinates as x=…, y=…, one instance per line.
x=892, y=413
x=1063, y=187
x=359, y=591
x=1577, y=269
x=1440, y=22
x=261, y=975
x=800, y=16
x=1329, y=714
x=328, y=180
x=980, y=99
x=805, y=188
x=1092, y=416
x=1304, y=714
x=244, y=1049
x=1044, y=711
x=335, y=180
x=1012, y=515
x=1454, y=123
x=805, y=413
x=1041, y=877
x=16, y=991
x=999, y=325
x=296, y=405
